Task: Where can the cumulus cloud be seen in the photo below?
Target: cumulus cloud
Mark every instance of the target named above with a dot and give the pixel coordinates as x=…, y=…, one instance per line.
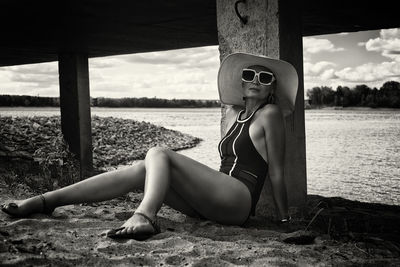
x=101, y=63
x=316, y=69
x=390, y=33
x=42, y=76
x=370, y=72
x=313, y=45
x=317, y=74
x=322, y=72
x=388, y=44
x=50, y=68
x=188, y=58
x=185, y=73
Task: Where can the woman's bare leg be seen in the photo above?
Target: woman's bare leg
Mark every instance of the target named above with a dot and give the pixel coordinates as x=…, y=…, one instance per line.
x=97, y=188
x=214, y=195
x=101, y=187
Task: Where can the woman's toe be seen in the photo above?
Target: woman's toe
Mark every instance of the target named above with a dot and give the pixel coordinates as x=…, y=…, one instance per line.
x=129, y=230
x=122, y=232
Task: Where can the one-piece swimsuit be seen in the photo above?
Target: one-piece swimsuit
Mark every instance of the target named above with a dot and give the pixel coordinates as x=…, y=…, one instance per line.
x=241, y=160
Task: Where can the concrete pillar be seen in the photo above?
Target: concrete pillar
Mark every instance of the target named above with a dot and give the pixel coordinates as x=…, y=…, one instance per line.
x=273, y=29
x=75, y=107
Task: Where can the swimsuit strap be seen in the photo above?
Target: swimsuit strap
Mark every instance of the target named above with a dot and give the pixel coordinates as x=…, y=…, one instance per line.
x=251, y=115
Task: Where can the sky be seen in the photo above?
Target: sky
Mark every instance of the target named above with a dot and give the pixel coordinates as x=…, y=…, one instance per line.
x=347, y=59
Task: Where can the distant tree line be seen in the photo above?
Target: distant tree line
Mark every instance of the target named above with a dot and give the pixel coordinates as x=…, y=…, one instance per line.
x=154, y=102
x=28, y=101
x=388, y=96
x=36, y=101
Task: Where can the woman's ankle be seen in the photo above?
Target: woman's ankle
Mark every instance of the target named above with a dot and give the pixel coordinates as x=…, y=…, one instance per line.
x=150, y=215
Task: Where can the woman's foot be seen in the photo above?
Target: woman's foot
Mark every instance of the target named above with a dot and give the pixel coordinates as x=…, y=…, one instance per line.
x=26, y=207
x=139, y=227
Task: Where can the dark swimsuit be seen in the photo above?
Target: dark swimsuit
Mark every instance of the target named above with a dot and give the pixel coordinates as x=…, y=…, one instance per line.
x=241, y=160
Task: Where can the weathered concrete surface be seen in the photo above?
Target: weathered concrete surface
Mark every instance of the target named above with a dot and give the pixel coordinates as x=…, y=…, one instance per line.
x=291, y=50
x=273, y=29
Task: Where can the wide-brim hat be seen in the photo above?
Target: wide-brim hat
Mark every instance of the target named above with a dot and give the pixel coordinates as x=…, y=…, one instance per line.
x=230, y=79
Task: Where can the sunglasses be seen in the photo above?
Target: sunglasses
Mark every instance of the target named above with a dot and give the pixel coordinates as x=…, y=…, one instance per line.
x=264, y=77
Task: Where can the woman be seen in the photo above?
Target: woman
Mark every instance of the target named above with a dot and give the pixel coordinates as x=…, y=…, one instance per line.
x=252, y=149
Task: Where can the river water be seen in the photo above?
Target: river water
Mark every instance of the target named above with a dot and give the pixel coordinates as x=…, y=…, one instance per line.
x=353, y=154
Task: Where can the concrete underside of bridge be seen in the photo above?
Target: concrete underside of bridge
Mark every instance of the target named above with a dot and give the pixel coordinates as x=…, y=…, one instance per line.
x=73, y=31
x=37, y=31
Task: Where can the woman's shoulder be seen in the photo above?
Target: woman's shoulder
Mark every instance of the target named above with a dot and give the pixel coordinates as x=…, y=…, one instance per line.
x=271, y=111
x=270, y=116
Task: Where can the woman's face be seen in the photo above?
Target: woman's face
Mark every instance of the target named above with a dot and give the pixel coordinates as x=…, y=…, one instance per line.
x=256, y=90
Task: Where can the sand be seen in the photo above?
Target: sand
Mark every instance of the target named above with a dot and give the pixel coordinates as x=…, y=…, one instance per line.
x=75, y=236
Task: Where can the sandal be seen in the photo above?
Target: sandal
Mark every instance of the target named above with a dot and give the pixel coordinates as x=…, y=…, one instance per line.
x=45, y=209
x=139, y=235
x=285, y=221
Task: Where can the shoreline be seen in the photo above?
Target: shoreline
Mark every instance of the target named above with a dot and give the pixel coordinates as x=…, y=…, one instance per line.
x=32, y=149
x=352, y=108
x=3, y=108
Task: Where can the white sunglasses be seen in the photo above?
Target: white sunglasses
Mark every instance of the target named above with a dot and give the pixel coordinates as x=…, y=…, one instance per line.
x=264, y=77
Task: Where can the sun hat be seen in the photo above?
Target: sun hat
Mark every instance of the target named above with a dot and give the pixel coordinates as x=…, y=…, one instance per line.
x=230, y=79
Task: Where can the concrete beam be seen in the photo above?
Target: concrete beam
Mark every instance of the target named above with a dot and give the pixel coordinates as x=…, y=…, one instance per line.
x=75, y=107
x=273, y=29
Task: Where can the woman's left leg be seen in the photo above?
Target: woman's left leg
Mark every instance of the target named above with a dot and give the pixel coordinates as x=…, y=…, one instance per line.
x=213, y=194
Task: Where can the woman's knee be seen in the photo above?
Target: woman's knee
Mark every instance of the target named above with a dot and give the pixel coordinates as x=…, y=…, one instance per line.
x=157, y=152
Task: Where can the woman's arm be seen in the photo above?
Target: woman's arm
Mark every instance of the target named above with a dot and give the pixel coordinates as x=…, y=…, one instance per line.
x=275, y=143
x=230, y=117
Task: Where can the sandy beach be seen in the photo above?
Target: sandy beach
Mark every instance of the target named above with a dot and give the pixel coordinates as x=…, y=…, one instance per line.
x=75, y=236
x=330, y=232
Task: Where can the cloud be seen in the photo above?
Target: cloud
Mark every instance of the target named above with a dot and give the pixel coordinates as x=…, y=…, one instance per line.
x=185, y=73
x=101, y=63
x=318, y=68
x=49, y=68
x=202, y=57
x=390, y=33
x=388, y=44
x=39, y=80
x=322, y=71
x=41, y=76
x=370, y=72
x=317, y=74
x=328, y=74
x=313, y=45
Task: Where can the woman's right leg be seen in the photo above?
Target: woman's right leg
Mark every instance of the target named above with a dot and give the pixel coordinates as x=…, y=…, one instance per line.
x=110, y=185
x=101, y=187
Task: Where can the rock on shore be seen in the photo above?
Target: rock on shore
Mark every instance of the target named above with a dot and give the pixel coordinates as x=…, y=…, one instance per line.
x=35, y=146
